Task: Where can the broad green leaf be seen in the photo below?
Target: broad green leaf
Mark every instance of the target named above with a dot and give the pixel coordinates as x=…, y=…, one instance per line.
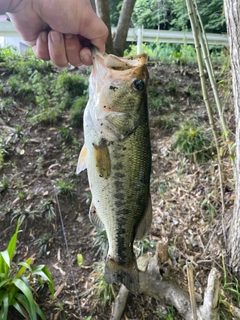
x=17, y=306
x=1, y=265
x=42, y=275
x=80, y=259
x=3, y=276
x=21, y=285
x=25, y=265
x=5, y=306
x=22, y=300
x=12, y=243
x=6, y=261
x=2, y=284
x=42, y=268
x=6, y=257
x=40, y=313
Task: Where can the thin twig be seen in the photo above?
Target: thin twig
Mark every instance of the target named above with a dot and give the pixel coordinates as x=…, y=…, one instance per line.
x=195, y=30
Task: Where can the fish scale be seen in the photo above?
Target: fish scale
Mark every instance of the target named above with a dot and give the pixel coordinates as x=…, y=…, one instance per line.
x=117, y=155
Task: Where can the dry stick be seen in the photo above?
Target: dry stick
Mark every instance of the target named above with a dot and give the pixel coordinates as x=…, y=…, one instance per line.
x=191, y=288
x=120, y=303
x=209, y=309
x=234, y=311
x=194, y=24
x=208, y=64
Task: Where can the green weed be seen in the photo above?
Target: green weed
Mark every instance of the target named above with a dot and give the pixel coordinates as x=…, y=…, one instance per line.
x=73, y=83
x=48, y=89
x=229, y=294
x=157, y=102
x=66, y=187
x=65, y=135
x=1, y=157
x=144, y=245
x=15, y=283
x=162, y=187
x=167, y=314
x=46, y=207
x=76, y=112
x=166, y=121
x=102, y=292
x=4, y=183
x=101, y=241
x=194, y=142
x=24, y=214
x=6, y=104
x=44, y=243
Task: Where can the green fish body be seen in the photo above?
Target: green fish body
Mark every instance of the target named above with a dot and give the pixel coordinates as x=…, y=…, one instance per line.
x=117, y=155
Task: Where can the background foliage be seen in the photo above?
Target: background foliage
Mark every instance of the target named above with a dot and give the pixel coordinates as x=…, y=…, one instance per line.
x=172, y=14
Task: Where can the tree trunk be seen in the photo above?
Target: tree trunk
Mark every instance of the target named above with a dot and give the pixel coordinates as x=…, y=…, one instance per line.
x=122, y=27
x=232, y=12
x=103, y=11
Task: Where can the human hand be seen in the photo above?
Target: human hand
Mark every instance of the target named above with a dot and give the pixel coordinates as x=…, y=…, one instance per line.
x=59, y=30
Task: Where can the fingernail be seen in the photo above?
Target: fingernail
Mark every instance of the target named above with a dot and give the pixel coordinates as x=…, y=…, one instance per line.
x=86, y=59
x=56, y=37
x=68, y=36
x=44, y=37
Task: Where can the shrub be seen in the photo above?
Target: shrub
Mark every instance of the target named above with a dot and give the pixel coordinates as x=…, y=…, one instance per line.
x=194, y=142
x=15, y=288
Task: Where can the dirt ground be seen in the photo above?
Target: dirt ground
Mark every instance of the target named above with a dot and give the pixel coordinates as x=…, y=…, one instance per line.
x=185, y=195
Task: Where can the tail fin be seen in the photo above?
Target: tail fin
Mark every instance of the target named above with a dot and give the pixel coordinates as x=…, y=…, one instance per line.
x=126, y=274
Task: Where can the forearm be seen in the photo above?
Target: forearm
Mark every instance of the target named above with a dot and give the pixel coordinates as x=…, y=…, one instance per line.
x=8, y=5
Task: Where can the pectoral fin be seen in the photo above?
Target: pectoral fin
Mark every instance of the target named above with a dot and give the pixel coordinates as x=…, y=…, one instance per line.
x=145, y=223
x=82, y=160
x=95, y=219
x=102, y=159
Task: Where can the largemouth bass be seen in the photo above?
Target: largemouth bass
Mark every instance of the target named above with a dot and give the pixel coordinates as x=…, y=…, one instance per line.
x=117, y=155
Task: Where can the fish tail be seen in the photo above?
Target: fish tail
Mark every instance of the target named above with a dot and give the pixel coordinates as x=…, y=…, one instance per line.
x=126, y=274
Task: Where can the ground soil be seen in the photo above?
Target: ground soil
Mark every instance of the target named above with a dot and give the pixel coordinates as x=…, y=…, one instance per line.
x=186, y=201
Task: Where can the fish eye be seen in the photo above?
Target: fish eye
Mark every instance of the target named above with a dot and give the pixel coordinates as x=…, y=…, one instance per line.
x=139, y=85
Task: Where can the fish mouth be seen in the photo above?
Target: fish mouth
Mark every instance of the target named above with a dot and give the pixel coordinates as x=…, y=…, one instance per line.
x=108, y=66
